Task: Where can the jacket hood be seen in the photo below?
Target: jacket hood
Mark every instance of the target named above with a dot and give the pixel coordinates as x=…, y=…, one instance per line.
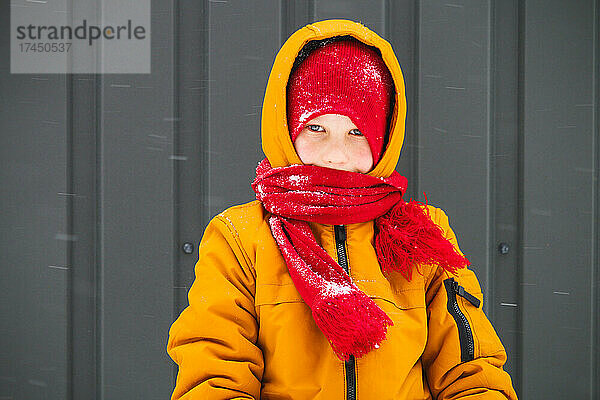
x=276, y=142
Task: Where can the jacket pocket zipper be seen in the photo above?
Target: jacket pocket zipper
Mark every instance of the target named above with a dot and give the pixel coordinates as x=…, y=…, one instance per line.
x=465, y=334
x=349, y=365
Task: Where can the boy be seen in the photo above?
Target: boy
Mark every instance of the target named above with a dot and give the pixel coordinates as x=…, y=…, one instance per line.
x=330, y=286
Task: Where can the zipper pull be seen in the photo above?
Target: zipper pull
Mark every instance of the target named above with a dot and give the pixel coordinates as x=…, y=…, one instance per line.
x=340, y=233
x=459, y=290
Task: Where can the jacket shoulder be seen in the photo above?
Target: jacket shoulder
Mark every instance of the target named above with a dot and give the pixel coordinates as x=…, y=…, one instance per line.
x=244, y=216
x=438, y=216
x=247, y=224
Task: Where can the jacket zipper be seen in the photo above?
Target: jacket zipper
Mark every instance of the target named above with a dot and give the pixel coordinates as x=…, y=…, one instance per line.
x=349, y=365
x=465, y=334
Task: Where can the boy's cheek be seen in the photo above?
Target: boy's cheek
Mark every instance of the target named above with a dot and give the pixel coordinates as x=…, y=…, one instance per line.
x=305, y=150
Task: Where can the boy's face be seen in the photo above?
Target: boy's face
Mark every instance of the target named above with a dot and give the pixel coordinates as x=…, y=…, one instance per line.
x=333, y=141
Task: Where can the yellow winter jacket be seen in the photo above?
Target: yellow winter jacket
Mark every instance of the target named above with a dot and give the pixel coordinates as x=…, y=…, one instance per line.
x=247, y=334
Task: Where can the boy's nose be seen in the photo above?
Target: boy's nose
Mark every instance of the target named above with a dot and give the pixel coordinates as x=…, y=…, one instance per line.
x=334, y=153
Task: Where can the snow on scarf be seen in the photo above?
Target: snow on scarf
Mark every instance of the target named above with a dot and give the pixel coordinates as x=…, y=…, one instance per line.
x=405, y=237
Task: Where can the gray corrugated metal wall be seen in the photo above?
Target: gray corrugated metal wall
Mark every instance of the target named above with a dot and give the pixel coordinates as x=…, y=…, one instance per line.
x=105, y=178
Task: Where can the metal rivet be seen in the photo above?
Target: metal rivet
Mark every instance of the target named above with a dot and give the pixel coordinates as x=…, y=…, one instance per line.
x=188, y=248
x=503, y=248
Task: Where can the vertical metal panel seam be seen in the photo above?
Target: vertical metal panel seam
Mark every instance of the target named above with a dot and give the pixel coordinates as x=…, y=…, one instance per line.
x=207, y=153
x=595, y=292
x=490, y=189
x=385, y=17
x=416, y=96
x=95, y=241
x=100, y=242
x=283, y=19
x=520, y=185
x=99, y=235
x=70, y=243
x=70, y=309
x=99, y=295
x=69, y=223
x=175, y=181
x=204, y=121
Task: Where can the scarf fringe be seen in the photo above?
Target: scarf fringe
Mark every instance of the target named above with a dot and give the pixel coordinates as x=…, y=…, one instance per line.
x=407, y=237
x=352, y=323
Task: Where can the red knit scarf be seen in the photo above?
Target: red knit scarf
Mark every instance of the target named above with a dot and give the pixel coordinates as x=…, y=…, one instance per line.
x=405, y=238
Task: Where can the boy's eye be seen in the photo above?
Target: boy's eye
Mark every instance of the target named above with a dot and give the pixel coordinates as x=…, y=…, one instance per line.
x=355, y=132
x=315, y=128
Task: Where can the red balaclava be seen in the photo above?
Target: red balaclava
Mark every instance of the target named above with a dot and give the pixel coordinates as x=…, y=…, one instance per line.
x=343, y=77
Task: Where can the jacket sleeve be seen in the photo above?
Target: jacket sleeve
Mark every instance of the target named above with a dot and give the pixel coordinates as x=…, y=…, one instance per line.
x=214, y=339
x=460, y=364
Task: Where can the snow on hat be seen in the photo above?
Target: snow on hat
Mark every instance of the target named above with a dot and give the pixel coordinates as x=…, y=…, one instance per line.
x=343, y=77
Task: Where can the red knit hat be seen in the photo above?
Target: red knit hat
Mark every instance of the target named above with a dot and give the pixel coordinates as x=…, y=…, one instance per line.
x=343, y=77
